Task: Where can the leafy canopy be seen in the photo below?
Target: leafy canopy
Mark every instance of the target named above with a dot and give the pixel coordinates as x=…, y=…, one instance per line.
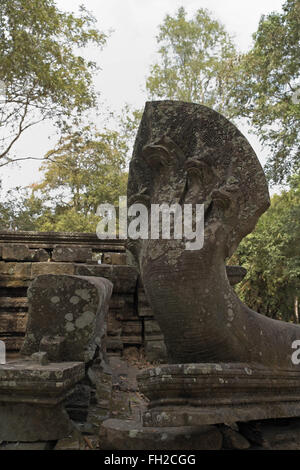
x=196, y=61
x=266, y=91
x=41, y=68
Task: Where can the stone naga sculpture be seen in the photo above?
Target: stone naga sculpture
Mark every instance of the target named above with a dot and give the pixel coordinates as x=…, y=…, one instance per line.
x=188, y=153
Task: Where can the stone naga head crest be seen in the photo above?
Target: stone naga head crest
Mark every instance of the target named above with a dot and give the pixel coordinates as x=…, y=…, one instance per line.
x=188, y=153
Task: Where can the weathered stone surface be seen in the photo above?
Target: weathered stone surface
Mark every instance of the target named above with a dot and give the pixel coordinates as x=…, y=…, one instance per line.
x=74, y=441
x=114, y=326
x=14, y=252
x=124, y=278
x=187, y=153
x=53, y=346
x=14, y=303
x=80, y=397
x=30, y=400
x=15, y=270
x=26, y=422
x=20, y=377
x=117, y=434
x=71, y=307
x=279, y=434
x=152, y=331
x=233, y=439
x=132, y=332
x=181, y=394
x=114, y=345
x=13, y=322
x=115, y=258
x=40, y=255
x=39, y=269
x=40, y=357
x=74, y=254
x=155, y=351
x=12, y=343
x=27, y=446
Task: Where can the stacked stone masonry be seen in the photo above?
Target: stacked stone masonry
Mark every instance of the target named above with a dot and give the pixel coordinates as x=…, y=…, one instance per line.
x=25, y=256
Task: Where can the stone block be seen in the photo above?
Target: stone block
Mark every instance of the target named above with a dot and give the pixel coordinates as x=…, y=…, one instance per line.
x=13, y=322
x=31, y=396
x=39, y=269
x=124, y=278
x=215, y=393
x=114, y=327
x=132, y=332
x=14, y=270
x=40, y=255
x=12, y=343
x=40, y=357
x=75, y=441
x=15, y=252
x=155, y=351
x=14, y=303
x=71, y=307
x=115, y=258
x=72, y=254
x=121, y=434
x=114, y=345
x=152, y=331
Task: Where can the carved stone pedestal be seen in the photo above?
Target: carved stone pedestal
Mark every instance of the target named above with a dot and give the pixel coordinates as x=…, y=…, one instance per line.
x=203, y=394
x=31, y=397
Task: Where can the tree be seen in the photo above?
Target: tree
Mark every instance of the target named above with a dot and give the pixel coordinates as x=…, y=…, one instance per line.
x=196, y=61
x=43, y=77
x=266, y=91
x=271, y=255
x=85, y=169
x=21, y=210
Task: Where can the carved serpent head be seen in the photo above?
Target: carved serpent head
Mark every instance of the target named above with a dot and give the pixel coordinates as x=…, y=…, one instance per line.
x=188, y=153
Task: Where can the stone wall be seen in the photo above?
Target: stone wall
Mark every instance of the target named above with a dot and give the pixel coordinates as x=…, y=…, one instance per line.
x=25, y=255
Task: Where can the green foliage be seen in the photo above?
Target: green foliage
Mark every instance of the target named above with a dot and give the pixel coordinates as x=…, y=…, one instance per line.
x=197, y=61
x=268, y=79
x=44, y=77
x=271, y=254
x=85, y=169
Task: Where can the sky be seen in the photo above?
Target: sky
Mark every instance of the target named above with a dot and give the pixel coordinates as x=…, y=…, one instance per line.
x=125, y=60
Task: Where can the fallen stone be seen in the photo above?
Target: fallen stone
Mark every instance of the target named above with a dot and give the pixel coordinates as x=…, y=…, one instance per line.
x=233, y=439
x=40, y=357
